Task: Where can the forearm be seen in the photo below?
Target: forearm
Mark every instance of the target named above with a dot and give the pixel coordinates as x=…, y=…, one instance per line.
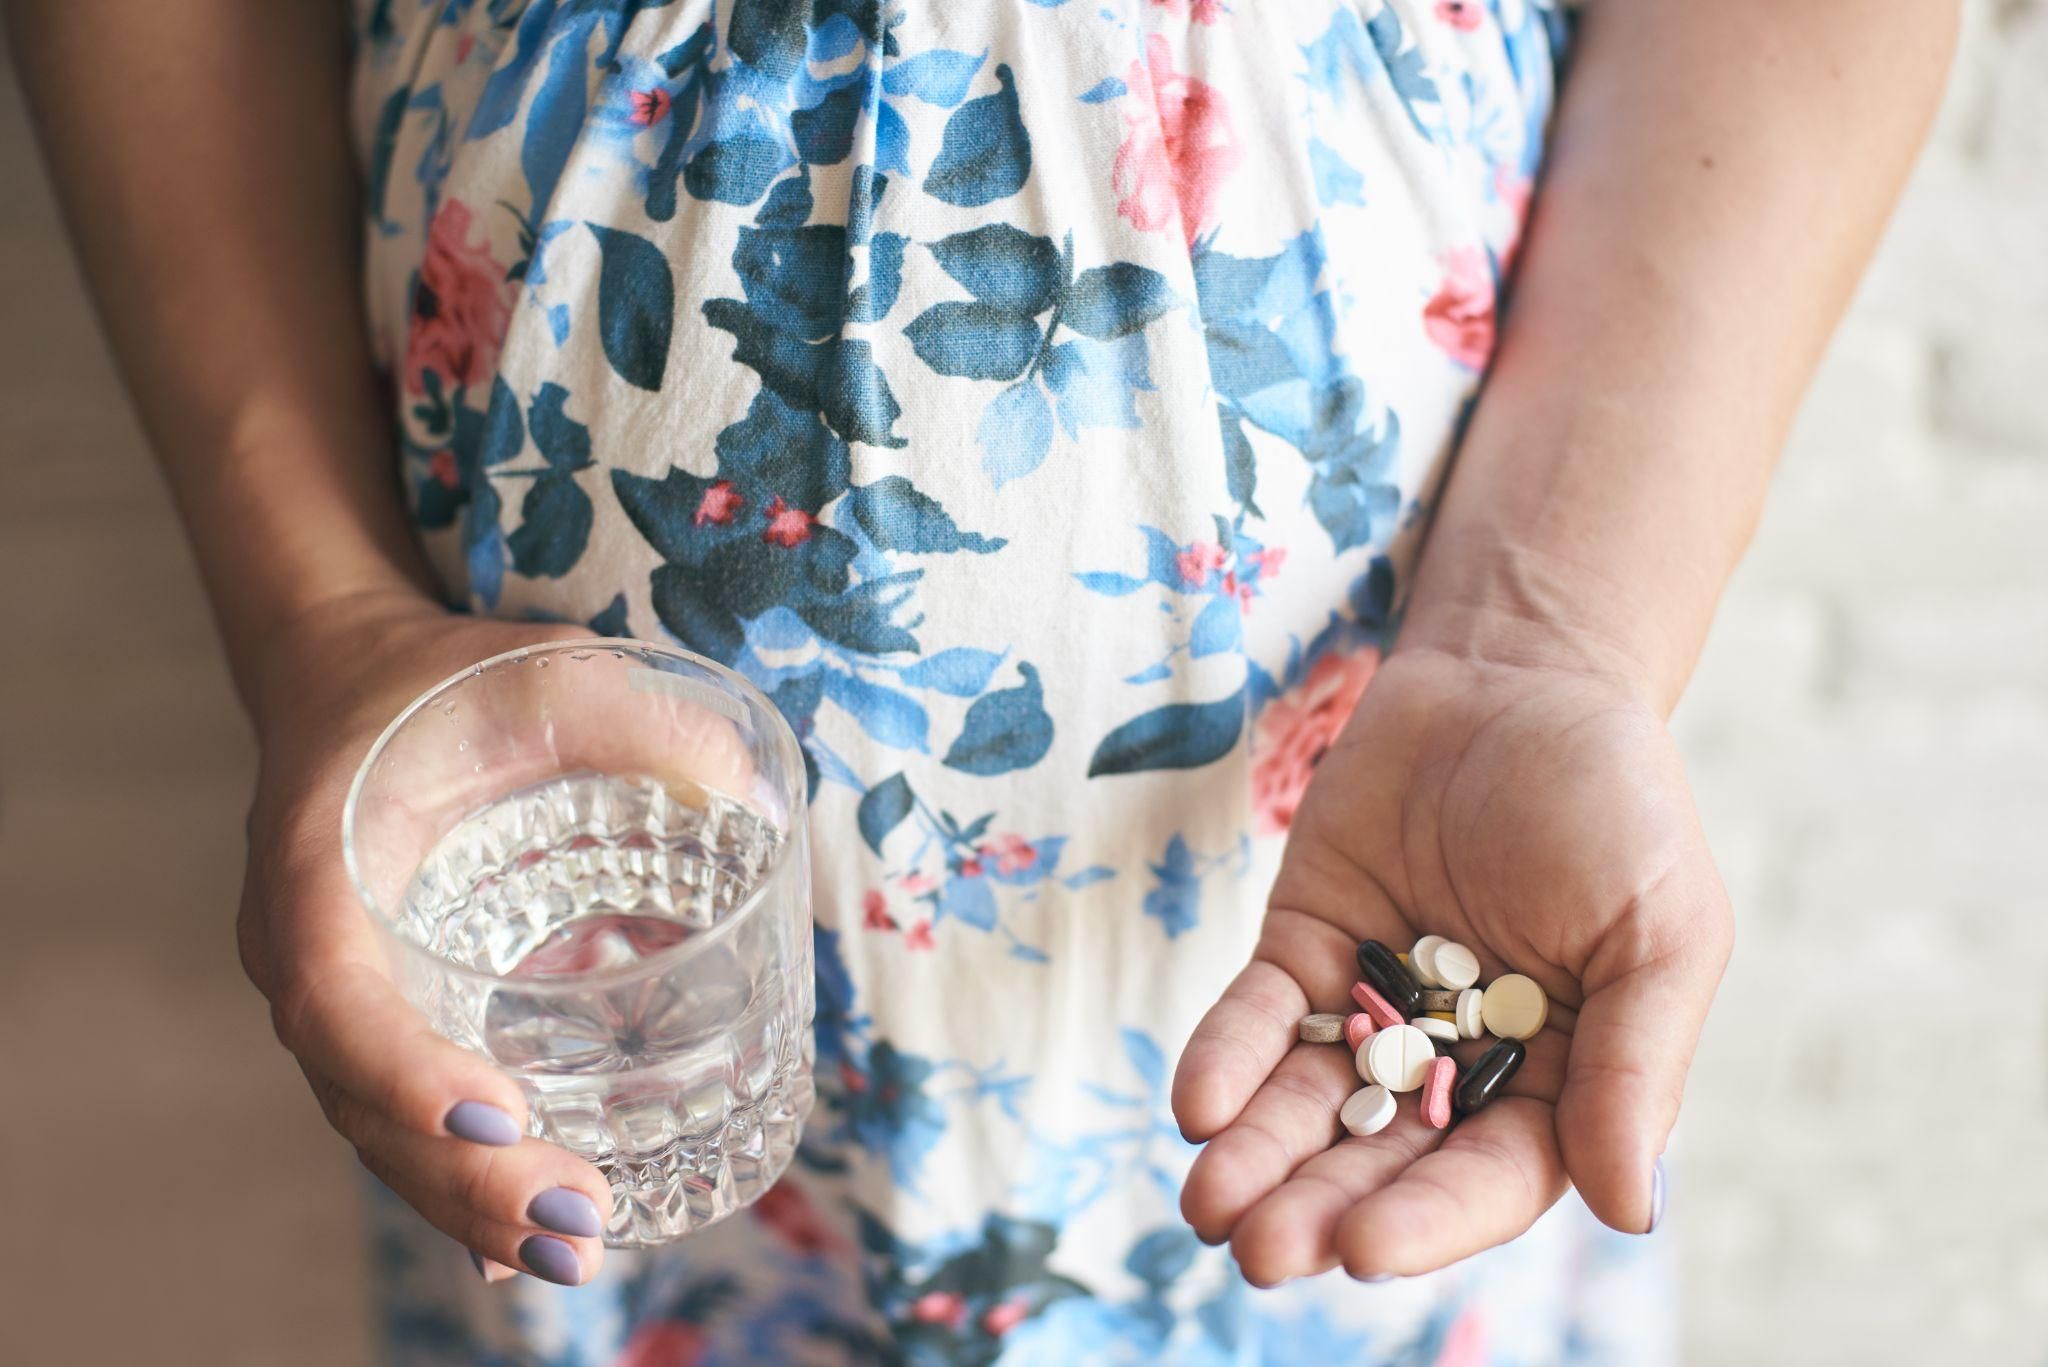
x=1718, y=177
x=201, y=156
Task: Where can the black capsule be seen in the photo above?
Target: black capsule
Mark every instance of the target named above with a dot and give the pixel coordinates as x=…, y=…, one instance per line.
x=1390, y=978
x=1488, y=1077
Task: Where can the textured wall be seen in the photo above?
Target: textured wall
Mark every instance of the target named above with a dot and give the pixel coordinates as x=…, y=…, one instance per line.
x=1869, y=735
x=1858, y=1170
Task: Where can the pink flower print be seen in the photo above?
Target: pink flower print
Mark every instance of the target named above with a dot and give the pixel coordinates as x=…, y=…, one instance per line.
x=940, y=1307
x=1465, y=1344
x=461, y=306
x=875, y=911
x=919, y=936
x=441, y=465
x=1201, y=11
x=662, y=1343
x=1000, y=1318
x=1267, y=561
x=1195, y=562
x=1179, y=148
x=853, y=1079
x=1459, y=317
x=650, y=107
x=970, y=867
x=1242, y=592
x=463, y=46
x=787, y=1211
x=918, y=883
x=787, y=526
x=1297, y=727
x=1013, y=853
x=1463, y=15
x=718, y=505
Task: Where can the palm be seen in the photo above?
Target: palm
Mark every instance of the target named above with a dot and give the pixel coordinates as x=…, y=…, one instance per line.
x=1540, y=818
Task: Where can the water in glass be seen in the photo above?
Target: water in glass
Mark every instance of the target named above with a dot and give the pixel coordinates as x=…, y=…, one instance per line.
x=688, y=1086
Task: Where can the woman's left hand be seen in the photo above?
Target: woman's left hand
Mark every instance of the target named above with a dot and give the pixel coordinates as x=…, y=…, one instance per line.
x=1542, y=818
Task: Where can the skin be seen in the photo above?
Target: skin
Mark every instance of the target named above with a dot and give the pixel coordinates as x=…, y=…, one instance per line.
x=1719, y=176
x=1718, y=179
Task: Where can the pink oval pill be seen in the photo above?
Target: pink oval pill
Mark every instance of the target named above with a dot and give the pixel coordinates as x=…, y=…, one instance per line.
x=1358, y=1028
x=1376, y=1006
x=1436, y=1092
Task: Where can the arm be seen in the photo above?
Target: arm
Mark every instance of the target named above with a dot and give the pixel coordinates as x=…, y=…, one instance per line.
x=200, y=152
x=229, y=288
x=1719, y=174
x=1719, y=177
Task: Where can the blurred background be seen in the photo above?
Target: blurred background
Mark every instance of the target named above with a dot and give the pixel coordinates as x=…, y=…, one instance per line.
x=1858, y=1177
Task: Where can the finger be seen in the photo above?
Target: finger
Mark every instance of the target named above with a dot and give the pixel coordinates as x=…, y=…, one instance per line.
x=1291, y=1231
x=348, y=1024
x=1292, y=1116
x=1494, y=1173
x=1301, y=965
x=1234, y=1047
x=1649, y=987
x=533, y=1206
x=489, y=1269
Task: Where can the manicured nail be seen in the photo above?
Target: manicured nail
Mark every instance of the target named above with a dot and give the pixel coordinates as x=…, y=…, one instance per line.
x=566, y=1211
x=1378, y=1277
x=551, y=1260
x=481, y=1124
x=1656, y=1196
x=476, y=1260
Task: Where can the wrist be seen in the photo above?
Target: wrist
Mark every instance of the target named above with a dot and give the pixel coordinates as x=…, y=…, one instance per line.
x=323, y=640
x=1514, y=605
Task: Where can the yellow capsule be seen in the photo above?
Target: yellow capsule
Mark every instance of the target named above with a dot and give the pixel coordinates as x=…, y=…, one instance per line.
x=1450, y=1016
x=1402, y=957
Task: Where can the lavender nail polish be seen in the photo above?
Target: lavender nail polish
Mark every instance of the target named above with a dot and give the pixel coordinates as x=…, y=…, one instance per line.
x=566, y=1211
x=480, y=1123
x=1656, y=1196
x=551, y=1260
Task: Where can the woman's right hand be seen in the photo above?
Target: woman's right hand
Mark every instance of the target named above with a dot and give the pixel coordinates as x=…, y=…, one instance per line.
x=435, y=1123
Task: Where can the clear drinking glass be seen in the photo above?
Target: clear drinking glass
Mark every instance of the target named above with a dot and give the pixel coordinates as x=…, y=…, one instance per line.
x=589, y=865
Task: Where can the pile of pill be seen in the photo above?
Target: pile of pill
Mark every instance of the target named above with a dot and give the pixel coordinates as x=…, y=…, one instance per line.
x=1411, y=1009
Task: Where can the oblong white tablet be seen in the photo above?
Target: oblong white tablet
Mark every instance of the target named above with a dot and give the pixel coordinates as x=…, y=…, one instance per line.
x=1471, y=1022
x=1436, y=1029
x=1421, y=960
x=1368, y=1110
x=1400, y=1057
x=1454, y=965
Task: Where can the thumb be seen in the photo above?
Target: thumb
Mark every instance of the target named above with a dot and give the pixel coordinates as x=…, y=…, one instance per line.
x=1648, y=987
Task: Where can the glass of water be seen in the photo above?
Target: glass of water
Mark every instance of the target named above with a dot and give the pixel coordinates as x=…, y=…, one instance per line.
x=588, y=863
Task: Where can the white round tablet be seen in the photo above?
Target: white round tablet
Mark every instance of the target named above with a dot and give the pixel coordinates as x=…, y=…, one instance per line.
x=1363, y=1059
x=1436, y=1029
x=1421, y=960
x=1456, y=966
x=1471, y=1023
x=1368, y=1111
x=1400, y=1056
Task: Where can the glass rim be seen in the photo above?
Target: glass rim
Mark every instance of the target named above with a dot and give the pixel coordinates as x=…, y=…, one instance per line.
x=662, y=959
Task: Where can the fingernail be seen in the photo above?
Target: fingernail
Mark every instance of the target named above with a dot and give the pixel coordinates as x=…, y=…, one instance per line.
x=551, y=1260
x=1656, y=1196
x=476, y=1260
x=566, y=1211
x=1378, y=1277
x=480, y=1123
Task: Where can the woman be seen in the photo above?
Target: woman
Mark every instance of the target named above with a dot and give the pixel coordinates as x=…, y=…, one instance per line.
x=1045, y=401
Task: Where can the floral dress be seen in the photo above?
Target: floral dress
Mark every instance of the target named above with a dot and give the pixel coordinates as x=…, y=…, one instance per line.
x=1041, y=400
